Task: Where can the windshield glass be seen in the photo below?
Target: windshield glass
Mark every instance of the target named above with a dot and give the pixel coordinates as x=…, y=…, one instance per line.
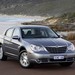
x=38, y=33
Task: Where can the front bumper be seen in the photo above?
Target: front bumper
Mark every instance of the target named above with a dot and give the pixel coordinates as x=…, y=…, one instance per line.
x=49, y=58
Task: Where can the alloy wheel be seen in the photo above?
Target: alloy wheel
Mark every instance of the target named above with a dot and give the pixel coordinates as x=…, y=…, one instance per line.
x=24, y=60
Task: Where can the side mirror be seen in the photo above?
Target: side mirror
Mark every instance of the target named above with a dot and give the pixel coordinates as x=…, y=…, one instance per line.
x=16, y=37
x=59, y=35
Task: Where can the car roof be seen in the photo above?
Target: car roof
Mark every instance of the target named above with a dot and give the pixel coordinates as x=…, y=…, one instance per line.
x=30, y=26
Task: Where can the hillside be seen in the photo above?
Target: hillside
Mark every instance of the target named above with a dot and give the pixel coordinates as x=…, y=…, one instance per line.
x=37, y=7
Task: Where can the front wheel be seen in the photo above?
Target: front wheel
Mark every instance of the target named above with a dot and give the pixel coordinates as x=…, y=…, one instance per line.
x=66, y=64
x=23, y=60
x=2, y=56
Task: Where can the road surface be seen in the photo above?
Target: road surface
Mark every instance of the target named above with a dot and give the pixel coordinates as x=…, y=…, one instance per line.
x=12, y=67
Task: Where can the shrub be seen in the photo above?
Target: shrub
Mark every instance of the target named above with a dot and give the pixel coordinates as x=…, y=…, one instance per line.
x=70, y=36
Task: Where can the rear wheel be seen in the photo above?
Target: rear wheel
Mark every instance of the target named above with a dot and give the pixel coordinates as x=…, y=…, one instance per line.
x=2, y=56
x=66, y=64
x=23, y=60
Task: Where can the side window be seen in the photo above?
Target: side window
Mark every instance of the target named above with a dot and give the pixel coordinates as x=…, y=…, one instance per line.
x=9, y=32
x=16, y=32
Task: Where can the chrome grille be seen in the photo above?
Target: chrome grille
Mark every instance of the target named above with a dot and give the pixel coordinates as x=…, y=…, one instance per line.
x=56, y=49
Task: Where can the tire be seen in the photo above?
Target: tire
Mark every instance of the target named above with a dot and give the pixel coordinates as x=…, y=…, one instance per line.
x=66, y=64
x=2, y=56
x=23, y=60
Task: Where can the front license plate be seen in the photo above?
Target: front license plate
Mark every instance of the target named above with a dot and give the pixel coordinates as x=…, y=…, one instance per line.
x=58, y=57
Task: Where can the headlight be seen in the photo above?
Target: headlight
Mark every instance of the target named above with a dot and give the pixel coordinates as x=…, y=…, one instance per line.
x=71, y=47
x=36, y=48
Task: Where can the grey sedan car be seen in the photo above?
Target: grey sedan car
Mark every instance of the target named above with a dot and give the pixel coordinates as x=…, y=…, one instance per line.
x=36, y=44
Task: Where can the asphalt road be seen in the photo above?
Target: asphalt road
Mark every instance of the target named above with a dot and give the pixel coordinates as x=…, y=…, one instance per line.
x=12, y=67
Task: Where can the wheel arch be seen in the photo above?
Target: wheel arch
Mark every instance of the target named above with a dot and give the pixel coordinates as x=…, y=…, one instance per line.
x=22, y=48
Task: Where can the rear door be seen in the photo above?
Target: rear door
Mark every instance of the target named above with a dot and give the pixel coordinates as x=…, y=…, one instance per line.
x=7, y=40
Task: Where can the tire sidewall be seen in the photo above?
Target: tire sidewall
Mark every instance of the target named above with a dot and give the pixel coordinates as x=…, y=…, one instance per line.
x=67, y=64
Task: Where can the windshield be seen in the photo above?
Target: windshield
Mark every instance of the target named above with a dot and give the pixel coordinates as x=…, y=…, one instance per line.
x=38, y=33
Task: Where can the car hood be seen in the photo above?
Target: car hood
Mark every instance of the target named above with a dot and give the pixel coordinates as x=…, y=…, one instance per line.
x=48, y=42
